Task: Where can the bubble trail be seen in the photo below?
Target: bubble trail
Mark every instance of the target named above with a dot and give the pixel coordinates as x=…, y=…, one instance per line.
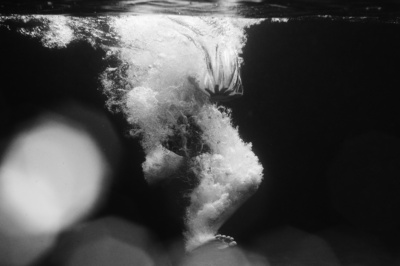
x=166, y=74
x=175, y=69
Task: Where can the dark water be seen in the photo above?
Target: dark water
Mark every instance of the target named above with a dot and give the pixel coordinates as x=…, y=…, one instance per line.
x=320, y=107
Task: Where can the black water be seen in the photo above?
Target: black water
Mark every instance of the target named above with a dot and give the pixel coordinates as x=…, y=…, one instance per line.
x=321, y=108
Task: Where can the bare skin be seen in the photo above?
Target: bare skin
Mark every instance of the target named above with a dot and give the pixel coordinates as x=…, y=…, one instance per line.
x=226, y=241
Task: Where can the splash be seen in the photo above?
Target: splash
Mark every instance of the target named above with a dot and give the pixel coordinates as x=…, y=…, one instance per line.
x=165, y=74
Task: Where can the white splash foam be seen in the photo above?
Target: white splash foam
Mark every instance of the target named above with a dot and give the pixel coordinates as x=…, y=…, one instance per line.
x=158, y=57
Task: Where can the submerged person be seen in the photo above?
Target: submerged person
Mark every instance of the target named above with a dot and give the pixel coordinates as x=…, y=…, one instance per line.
x=204, y=141
x=173, y=72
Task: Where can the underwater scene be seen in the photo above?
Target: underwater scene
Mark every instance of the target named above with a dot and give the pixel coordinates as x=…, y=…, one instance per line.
x=199, y=133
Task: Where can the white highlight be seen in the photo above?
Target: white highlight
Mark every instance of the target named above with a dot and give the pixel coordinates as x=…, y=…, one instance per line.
x=280, y=20
x=57, y=35
x=50, y=178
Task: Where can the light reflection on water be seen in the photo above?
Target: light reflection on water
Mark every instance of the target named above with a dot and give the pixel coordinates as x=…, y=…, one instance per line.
x=242, y=8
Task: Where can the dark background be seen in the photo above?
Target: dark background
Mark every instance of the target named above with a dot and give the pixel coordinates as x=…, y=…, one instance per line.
x=321, y=108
